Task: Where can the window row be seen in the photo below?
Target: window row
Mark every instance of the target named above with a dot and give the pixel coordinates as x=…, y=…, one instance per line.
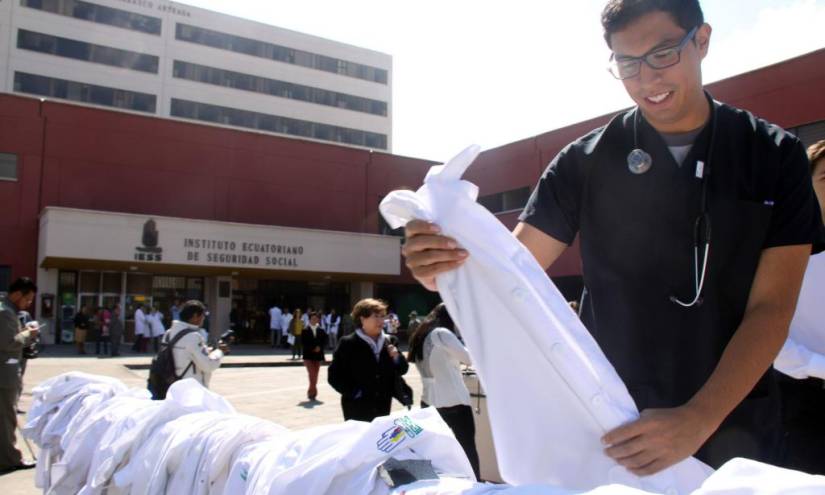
x=8, y=171
x=79, y=50
x=216, y=39
x=83, y=92
x=246, y=82
x=97, y=13
x=515, y=199
x=273, y=123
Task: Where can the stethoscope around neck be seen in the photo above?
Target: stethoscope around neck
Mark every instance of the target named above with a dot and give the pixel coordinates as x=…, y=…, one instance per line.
x=640, y=162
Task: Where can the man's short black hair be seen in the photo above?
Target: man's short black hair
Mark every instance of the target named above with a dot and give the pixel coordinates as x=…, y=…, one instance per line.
x=191, y=309
x=617, y=14
x=24, y=285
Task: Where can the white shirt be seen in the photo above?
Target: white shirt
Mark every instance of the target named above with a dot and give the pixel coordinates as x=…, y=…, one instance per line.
x=547, y=358
x=375, y=344
x=275, y=318
x=803, y=354
x=286, y=319
x=440, y=369
x=155, y=323
x=140, y=322
x=192, y=348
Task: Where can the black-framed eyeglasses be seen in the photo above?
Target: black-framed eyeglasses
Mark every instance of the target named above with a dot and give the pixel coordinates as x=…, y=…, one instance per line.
x=627, y=67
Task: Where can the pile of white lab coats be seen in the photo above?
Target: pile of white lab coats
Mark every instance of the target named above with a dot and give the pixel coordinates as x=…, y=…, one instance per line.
x=97, y=436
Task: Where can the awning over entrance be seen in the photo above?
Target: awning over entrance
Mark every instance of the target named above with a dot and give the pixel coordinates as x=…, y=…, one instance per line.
x=83, y=239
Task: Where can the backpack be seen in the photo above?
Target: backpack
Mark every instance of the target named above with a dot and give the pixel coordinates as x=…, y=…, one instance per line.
x=162, y=370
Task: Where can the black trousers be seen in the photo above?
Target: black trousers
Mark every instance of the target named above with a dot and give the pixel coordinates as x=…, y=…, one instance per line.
x=803, y=421
x=460, y=419
x=9, y=455
x=104, y=341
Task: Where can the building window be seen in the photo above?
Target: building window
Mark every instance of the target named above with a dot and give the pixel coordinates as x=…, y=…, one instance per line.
x=506, y=201
x=810, y=133
x=274, y=123
x=5, y=279
x=273, y=87
x=223, y=41
x=83, y=92
x=79, y=50
x=97, y=13
x=8, y=167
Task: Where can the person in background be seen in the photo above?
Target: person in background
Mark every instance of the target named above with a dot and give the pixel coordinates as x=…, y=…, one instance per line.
x=175, y=310
x=116, y=330
x=313, y=341
x=141, y=328
x=104, y=321
x=438, y=354
x=275, y=322
x=333, y=323
x=81, y=329
x=13, y=337
x=296, y=328
x=365, y=366
x=154, y=322
x=286, y=319
x=192, y=356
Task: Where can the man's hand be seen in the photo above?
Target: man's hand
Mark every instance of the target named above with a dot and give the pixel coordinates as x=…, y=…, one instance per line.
x=223, y=347
x=658, y=439
x=33, y=327
x=428, y=253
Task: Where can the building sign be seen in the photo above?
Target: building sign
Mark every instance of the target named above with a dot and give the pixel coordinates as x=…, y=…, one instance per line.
x=150, y=251
x=67, y=233
x=159, y=6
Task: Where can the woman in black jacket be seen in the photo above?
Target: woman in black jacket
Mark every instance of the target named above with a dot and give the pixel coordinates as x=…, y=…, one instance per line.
x=314, y=341
x=365, y=365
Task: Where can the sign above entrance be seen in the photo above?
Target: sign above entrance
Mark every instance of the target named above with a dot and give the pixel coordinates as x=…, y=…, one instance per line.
x=96, y=235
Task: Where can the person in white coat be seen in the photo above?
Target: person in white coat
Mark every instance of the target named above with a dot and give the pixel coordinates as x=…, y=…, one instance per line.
x=140, y=329
x=438, y=355
x=332, y=323
x=193, y=358
x=286, y=319
x=275, y=322
x=155, y=328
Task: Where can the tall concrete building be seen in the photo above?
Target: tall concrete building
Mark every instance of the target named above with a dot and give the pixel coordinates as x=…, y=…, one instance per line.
x=172, y=60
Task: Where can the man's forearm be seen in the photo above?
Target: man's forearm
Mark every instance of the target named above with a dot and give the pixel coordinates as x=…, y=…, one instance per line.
x=747, y=356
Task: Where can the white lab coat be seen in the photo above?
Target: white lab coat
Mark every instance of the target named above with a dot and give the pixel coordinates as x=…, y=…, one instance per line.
x=275, y=318
x=570, y=395
x=192, y=348
x=140, y=323
x=286, y=319
x=440, y=370
x=803, y=354
x=154, y=323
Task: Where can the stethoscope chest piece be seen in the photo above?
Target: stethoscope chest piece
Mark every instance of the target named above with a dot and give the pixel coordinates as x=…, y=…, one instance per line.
x=639, y=161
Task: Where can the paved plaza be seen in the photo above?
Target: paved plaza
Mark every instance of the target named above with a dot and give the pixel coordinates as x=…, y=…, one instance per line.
x=265, y=383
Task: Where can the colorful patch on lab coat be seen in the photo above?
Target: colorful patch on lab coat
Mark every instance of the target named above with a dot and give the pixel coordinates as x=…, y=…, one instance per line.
x=403, y=428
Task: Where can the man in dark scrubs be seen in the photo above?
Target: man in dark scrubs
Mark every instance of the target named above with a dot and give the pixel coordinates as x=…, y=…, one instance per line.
x=691, y=331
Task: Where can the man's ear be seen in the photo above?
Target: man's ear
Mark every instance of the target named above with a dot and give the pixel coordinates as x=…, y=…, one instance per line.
x=703, y=39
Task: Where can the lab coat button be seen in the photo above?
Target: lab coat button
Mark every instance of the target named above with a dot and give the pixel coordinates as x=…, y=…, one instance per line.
x=557, y=347
x=519, y=293
x=597, y=400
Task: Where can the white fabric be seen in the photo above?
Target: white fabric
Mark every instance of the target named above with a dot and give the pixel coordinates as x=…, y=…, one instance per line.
x=275, y=318
x=192, y=348
x=803, y=354
x=286, y=319
x=575, y=395
x=140, y=322
x=342, y=458
x=154, y=324
x=332, y=324
x=440, y=369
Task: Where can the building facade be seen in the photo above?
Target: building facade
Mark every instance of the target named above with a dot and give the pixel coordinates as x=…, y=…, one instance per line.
x=105, y=207
x=169, y=59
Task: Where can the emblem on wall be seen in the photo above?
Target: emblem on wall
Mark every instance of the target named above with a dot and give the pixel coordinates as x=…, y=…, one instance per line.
x=150, y=251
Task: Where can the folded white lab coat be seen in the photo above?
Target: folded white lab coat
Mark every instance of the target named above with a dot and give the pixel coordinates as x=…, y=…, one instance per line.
x=803, y=354
x=549, y=408
x=343, y=458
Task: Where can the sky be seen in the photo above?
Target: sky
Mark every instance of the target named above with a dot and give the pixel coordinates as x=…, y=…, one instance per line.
x=493, y=72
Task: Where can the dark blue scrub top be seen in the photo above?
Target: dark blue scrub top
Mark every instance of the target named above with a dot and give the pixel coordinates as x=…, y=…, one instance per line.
x=637, y=236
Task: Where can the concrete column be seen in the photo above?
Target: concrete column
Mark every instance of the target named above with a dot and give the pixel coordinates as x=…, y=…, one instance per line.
x=220, y=304
x=360, y=290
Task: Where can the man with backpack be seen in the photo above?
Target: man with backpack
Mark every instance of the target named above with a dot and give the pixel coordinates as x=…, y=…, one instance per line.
x=184, y=352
